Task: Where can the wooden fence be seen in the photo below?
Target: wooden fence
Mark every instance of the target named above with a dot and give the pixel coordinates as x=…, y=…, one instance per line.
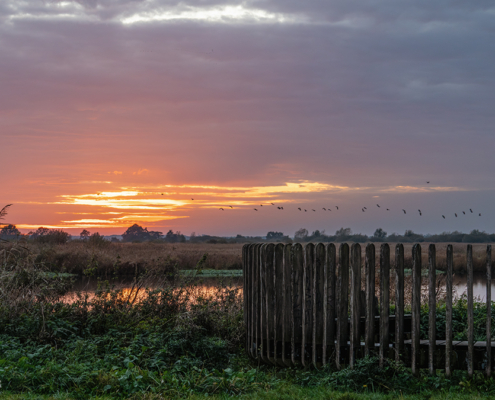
x=303, y=305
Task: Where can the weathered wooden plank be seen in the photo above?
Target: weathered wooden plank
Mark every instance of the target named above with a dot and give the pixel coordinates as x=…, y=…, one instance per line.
x=384, y=301
x=278, y=301
x=256, y=301
x=270, y=309
x=246, y=266
x=355, y=303
x=342, y=307
x=448, y=311
x=287, y=309
x=470, y=310
x=307, y=305
x=399, y=301
x=319, y=285
x=488, y=367
x=297, y=302
x=416, y=308
x=369, y=340
x=329, y=301
x=432, y=306
x=263, y=316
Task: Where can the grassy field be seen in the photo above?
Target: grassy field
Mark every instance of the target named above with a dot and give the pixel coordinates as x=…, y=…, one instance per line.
x=108, y=259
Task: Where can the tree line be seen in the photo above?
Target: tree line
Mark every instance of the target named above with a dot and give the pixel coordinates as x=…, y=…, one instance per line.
x=137, y=233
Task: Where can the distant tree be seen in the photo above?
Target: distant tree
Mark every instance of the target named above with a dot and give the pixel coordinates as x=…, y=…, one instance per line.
x=410, y=236
x=379, y=234
x=10, y=231
x=316, y=234
x=301, y=234
x=97, y=240
x=84, y=234
x=274, y=235
x=343, y=232
x=137, y=233
x=172, y=237
x=52, y=236
x=41, y=231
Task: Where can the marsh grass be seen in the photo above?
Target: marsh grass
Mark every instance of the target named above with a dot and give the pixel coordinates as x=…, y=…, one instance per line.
x=171, y=342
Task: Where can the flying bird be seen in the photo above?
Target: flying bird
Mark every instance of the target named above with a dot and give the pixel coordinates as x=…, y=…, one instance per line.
x=362, y=209
x=328, y=209
x=443, y=216
x=272, y=204
x=388, y=209
x=191, y=198
x=314, y=210
x=261, y=205
x=427, y=181
x=404, y=211
x=231, y=207
x=324, y=209
x=365, y=208
x=337, y=207
x=378, y=205
x=255, y=209
x=279, y=208
x=162, y=194
x=471, y=210
x=299, y=208
x=456, y=215
x=464, y=212
x=420, y=214
x=480, y=214
x=305, y=210
x=221, y=209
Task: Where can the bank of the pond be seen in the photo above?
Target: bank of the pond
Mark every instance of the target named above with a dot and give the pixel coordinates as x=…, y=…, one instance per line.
x=159, y=347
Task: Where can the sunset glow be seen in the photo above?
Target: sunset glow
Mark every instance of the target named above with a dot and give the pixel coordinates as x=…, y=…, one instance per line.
x=197, y=116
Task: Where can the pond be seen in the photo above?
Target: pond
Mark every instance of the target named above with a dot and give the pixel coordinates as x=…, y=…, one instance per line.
x=204, y=287
x=210, y=286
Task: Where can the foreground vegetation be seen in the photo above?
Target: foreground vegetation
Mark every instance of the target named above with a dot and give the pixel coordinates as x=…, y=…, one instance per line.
x=170, y=343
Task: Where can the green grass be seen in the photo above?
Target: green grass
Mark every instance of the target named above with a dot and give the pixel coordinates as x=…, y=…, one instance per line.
x=212, y=273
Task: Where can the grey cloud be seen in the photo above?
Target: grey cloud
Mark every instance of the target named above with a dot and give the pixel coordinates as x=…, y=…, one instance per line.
x=401, y=91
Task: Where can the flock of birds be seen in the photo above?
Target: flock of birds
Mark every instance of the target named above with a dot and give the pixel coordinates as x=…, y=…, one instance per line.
x=364, y=209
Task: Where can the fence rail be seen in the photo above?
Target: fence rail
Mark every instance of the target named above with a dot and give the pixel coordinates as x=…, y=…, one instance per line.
x=304, y=306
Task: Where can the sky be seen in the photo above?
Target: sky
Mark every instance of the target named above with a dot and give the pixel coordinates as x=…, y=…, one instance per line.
x=115, y=112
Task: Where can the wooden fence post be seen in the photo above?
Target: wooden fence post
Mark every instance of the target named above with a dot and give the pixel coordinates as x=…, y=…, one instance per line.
x=307, y=304
x=369, y=339
x=399, y=301
x=470, y=309
x=287, y=308
x=416, y=308
x=247, y=305
x=448, y=311
x=488, y=368
x=432, y=306
x=342, y=307
x=329, y=301
x=297, y=301
x=263, y=308
x=384, y=300
x=319, y=302
x=355, y=303
x=256, y=301
x=278, y=303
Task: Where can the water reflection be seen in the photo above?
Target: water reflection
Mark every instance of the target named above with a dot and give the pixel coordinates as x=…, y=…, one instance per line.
x=204, y=288
x=212, y=287
x=459, y=283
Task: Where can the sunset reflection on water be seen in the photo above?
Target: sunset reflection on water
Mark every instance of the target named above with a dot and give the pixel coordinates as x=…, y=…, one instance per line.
x=206, y=289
